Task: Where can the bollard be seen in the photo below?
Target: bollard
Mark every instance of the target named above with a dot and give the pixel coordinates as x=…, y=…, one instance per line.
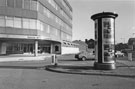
x=130, y=56
x=54, y=60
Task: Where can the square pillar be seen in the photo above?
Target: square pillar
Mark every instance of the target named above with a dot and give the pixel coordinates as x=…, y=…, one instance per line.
x=51, y=50
x=3, y=48
x=36, y=48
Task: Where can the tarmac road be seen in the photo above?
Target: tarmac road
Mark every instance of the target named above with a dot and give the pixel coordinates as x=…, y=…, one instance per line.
x=32, y=75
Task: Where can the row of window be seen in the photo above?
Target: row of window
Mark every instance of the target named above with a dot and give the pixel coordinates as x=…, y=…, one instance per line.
x=26, y=4
x=53, y=3
x=27, y=24
x=69, y=44
x=34, y=24
x=34, y=5
x=66, y=6
x=43, y=10
x=65, y=15
x=66, y=36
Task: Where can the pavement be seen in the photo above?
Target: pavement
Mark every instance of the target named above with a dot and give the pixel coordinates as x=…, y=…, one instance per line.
x=124, y=68
x=23, y=57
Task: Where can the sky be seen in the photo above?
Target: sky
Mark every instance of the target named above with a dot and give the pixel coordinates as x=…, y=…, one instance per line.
x=83, y=25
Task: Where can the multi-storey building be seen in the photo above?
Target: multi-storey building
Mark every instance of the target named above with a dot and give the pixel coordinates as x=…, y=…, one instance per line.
x=32, y=26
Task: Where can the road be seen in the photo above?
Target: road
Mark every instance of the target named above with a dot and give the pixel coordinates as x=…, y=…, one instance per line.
x=32, y=75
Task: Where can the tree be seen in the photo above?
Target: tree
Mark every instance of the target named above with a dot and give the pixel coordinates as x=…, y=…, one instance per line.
x=90, y=43
x=121, y=46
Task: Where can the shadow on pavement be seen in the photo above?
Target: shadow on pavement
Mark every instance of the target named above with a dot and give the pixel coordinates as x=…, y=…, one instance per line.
x=118, y=64
x=67, y=60
x=22, y=67
x=76, y=67
x=89, y=70
x=74, y=60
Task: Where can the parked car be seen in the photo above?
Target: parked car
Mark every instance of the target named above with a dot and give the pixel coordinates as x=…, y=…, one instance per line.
x=84, y=55
x=119, y=54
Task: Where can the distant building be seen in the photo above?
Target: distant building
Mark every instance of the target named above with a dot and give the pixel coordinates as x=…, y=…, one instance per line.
x=131, y=43
x=32, y=26
x=131, y=46
x=81, y=45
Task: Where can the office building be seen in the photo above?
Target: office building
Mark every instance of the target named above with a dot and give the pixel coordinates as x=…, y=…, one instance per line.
x=34, y=26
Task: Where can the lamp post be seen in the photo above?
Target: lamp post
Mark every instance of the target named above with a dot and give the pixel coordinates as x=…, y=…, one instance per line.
x=104, y=40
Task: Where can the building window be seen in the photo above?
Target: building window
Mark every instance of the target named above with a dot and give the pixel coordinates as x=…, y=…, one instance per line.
x=54, y=31
x=48, y=13
x=42, y=26
x=2, y=21
x=48, y=29
x=45, y=27
x=45, y=11
x=68, y=37
x=56, y=48
x=49, y=1
x=56, y=19
x=56, y=6
x=26, y=4
x=10, y=3
x=9, y=21
x=51, y=15
x=26, y=23
x=59, y=21
x=18, y=3
x=34, y=5
x=52, y=2
x=38, y=25
x=63, y=36
x=2, y=2
x=17, y=22
x=57, y=32
x=33, y=24
x=41, y=8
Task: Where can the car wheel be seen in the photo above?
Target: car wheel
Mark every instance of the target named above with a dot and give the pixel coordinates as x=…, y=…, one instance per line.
x=83, y=58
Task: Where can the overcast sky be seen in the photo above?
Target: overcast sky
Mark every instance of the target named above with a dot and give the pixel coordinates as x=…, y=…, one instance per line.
x=83, y=26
